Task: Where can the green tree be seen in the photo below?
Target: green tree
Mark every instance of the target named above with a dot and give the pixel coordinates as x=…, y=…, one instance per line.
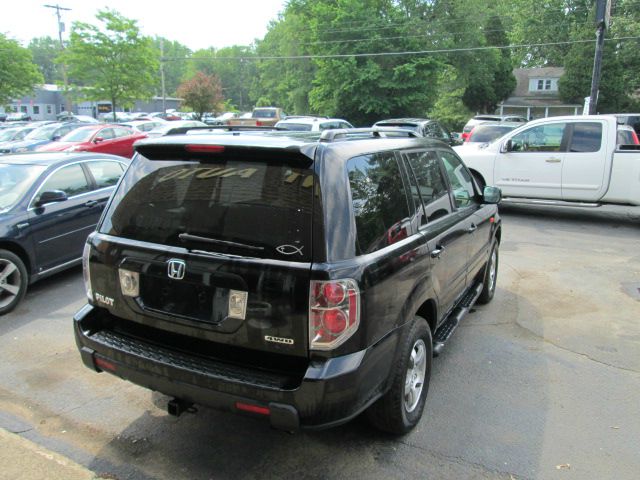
x=203, y=93
x=18, y=73
x=112, y=60
x=45, y=51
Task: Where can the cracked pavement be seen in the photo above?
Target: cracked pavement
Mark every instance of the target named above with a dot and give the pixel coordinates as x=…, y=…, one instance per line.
x=540, y=384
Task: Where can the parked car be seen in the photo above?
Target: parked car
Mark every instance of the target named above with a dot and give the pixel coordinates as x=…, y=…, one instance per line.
x=9, y=136
x=170, y=117
x=113, y=139
x=631, y=119
x=18, y=117
x=220, y=119
x=144, y=125
x=165, y=128
x=303, y=280
x=49, y=203
x=3, y=117
x=311, y=124
x=627, y=135
x=571, y=160
x=478, y=119
x=425, y=127
x=260, y=117
x=488, y=132
x=41, y=136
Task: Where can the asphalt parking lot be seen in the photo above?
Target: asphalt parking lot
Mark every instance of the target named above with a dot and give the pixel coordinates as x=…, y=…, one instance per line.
x=542, y=383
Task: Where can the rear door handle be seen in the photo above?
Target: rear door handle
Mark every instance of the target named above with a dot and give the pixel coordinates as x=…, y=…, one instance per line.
x=435, y=253
x=91, y=203
x=553, y=160
x=472, y=228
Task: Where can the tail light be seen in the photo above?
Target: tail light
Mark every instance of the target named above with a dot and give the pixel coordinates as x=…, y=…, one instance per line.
x=467, y=136
x=334, y=313
x=635, y=138
x=86, y=274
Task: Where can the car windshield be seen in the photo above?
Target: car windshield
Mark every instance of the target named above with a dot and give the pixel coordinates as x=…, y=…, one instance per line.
x=15, y=180
x=489, y=133
x=8, y=134
x=80, y=135
x=42, y=133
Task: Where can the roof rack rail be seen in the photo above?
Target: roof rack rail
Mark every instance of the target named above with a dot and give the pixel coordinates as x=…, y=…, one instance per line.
x=228, y=128
x=377, y=132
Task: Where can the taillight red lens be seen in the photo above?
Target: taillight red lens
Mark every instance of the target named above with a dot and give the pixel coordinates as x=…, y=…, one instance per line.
x=635, y=138
x=333, y=292
x=335, y=321
x=334, y=312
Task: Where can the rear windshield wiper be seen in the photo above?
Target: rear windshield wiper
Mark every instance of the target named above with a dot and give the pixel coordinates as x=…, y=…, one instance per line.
x=195, y=238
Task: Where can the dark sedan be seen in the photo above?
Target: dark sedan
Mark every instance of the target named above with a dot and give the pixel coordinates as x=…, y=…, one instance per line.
x=424, y=127
x=49, y=203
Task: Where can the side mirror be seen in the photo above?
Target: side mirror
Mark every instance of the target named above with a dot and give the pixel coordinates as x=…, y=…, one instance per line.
x=491, y=195
x=506, y=147
x=98, y=140
x=51, y=196
x=55, y=138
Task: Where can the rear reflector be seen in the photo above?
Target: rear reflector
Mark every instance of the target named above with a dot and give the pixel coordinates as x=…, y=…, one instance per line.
x=104, y=364
x=204, y=148
x=247, y=407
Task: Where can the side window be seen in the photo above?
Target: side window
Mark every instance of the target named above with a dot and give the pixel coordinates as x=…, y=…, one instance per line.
x=121, y=132
x=106, y=133
x=379, y=201
x=428, y=187
x=587, y=137
x=71, y=180
x=460, y=179
x=543, y=138
x=106, y=174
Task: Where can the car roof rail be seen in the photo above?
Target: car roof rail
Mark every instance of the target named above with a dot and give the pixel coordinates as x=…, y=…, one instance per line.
x=375, y=132
x=226, y=128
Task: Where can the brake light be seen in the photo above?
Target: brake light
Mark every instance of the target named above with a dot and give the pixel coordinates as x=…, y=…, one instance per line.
x=468, y=135
x=635, y=138
x=258, y=123
x=204, y=148
x=334, y=312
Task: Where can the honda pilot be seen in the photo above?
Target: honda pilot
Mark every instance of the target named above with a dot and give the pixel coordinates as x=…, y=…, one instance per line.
x=300, y=278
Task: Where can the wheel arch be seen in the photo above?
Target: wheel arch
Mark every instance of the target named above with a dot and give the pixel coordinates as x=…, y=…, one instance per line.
x=20, y=252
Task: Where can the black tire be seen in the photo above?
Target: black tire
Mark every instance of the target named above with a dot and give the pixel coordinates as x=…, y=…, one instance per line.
x=13, y=281
x=391, y=413
x=490, y=277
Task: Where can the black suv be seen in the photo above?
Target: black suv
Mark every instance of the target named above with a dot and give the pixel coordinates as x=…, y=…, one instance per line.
x=304, y=279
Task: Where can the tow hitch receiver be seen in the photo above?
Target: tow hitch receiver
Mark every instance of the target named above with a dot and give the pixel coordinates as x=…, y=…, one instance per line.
x=177, y=407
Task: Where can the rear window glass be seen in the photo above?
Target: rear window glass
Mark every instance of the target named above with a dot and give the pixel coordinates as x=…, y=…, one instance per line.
x=586, y=137
x=249, y=208
x=488, y=133
x=295, y=127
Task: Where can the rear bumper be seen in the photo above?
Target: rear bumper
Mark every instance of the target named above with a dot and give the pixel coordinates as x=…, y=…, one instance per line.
x=332, y=391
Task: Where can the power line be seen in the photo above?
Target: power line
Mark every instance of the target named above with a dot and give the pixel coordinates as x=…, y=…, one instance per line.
x=413, y=52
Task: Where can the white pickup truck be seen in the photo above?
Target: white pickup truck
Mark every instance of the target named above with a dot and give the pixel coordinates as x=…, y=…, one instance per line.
x=571, y=160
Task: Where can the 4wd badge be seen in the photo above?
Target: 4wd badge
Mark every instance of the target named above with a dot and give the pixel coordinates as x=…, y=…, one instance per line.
x=237, y=304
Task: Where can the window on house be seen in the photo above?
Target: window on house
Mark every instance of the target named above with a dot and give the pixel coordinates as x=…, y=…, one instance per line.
x=23, y=108
x=36, y=110
x=49, y=109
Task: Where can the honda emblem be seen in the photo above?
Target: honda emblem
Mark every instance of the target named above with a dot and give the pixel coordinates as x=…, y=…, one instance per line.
x=176, y=269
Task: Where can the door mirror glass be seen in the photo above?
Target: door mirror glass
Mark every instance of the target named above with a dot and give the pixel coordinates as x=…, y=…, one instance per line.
x=491, y=195
x=98, y=140
x=51, y=196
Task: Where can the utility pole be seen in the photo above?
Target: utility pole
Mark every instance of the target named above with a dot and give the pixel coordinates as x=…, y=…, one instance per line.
x=65, y=80
x=603, y=8
x=164, y=92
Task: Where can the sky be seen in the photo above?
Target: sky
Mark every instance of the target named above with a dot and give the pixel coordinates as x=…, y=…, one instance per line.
x=194, y=23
